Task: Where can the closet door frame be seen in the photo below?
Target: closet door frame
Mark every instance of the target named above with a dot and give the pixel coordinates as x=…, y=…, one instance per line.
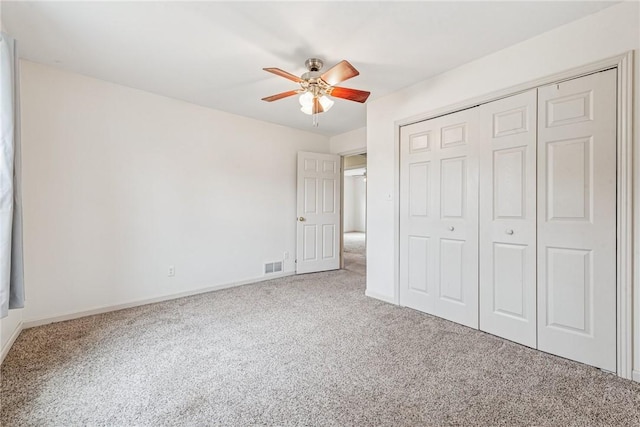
x=624, y=218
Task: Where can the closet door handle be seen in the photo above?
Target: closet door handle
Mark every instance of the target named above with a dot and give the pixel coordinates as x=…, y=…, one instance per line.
x=509, y=231
x=451, y=228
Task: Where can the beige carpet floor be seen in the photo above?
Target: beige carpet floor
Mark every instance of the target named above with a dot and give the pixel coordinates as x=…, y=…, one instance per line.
x=354, y=252
x=307, y=350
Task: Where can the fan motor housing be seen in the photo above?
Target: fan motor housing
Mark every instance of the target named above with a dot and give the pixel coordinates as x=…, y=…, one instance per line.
x=313, y=64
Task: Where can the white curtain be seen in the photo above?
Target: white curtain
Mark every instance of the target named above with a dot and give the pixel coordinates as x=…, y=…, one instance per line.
x=11, y=261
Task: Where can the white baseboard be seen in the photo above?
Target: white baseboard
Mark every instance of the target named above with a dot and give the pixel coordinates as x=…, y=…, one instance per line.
x=8, y=344
x=105, y=309
x=636, y=375
x=381, y=297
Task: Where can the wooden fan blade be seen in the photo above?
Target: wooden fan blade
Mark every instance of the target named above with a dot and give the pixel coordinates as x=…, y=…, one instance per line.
x=280, y=96
x=340, y=72
x=350, y=94
x=282, y=73
x=317, y=108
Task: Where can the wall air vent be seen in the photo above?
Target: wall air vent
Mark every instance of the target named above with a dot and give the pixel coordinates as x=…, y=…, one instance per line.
x=273, y=267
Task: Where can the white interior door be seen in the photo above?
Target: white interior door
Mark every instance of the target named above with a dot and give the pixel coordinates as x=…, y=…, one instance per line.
x=508, y=218
x=577, y=219
x=318, y=201
x=439, y=217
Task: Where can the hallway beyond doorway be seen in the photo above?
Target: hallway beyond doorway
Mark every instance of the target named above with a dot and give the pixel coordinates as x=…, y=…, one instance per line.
x=354, y=252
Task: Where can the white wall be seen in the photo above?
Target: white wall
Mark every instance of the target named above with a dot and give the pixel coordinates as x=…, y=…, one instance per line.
x=612, y=31
x=119, y=184
x=354, y=204
x=359, y=204
x=351, y=142
x=349, y=214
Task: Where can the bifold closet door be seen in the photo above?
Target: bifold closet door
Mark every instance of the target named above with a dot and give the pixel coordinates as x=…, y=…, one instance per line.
x=439, y=217
x=577, y=219
x=508, y=218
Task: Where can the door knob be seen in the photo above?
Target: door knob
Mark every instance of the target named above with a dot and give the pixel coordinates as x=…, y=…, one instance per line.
x=301, y=219
x=451, y=228
x=509, y=231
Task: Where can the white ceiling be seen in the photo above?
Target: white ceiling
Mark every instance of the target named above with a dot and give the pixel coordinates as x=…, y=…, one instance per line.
x=212, y=53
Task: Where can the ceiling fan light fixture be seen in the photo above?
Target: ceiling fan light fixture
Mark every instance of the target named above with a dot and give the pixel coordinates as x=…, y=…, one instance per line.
x=306, y=100
x=326, y=102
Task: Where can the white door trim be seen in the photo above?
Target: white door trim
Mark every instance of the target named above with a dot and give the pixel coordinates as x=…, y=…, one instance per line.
x=624, y=269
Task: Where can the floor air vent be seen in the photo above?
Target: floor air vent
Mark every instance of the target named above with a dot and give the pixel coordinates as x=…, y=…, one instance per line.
x=273, y=267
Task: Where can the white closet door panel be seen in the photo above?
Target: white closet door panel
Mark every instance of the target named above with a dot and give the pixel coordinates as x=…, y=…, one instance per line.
x=577, y=219
x=439, y=218
x=419, y=209
x=508, y=218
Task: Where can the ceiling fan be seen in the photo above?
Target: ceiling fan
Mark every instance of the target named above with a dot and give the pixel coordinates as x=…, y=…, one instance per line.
x=316, y=87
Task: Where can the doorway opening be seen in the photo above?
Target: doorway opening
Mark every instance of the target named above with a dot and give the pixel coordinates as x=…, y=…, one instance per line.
x=354, y=213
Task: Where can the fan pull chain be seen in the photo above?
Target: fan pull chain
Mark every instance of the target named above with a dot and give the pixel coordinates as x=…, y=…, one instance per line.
x=315, y=120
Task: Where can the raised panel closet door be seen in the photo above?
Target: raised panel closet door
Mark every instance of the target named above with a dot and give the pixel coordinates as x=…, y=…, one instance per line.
x=439, y=217
x=508, y=218
x=418, y=156
x=457, y=226
x=577, y=219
